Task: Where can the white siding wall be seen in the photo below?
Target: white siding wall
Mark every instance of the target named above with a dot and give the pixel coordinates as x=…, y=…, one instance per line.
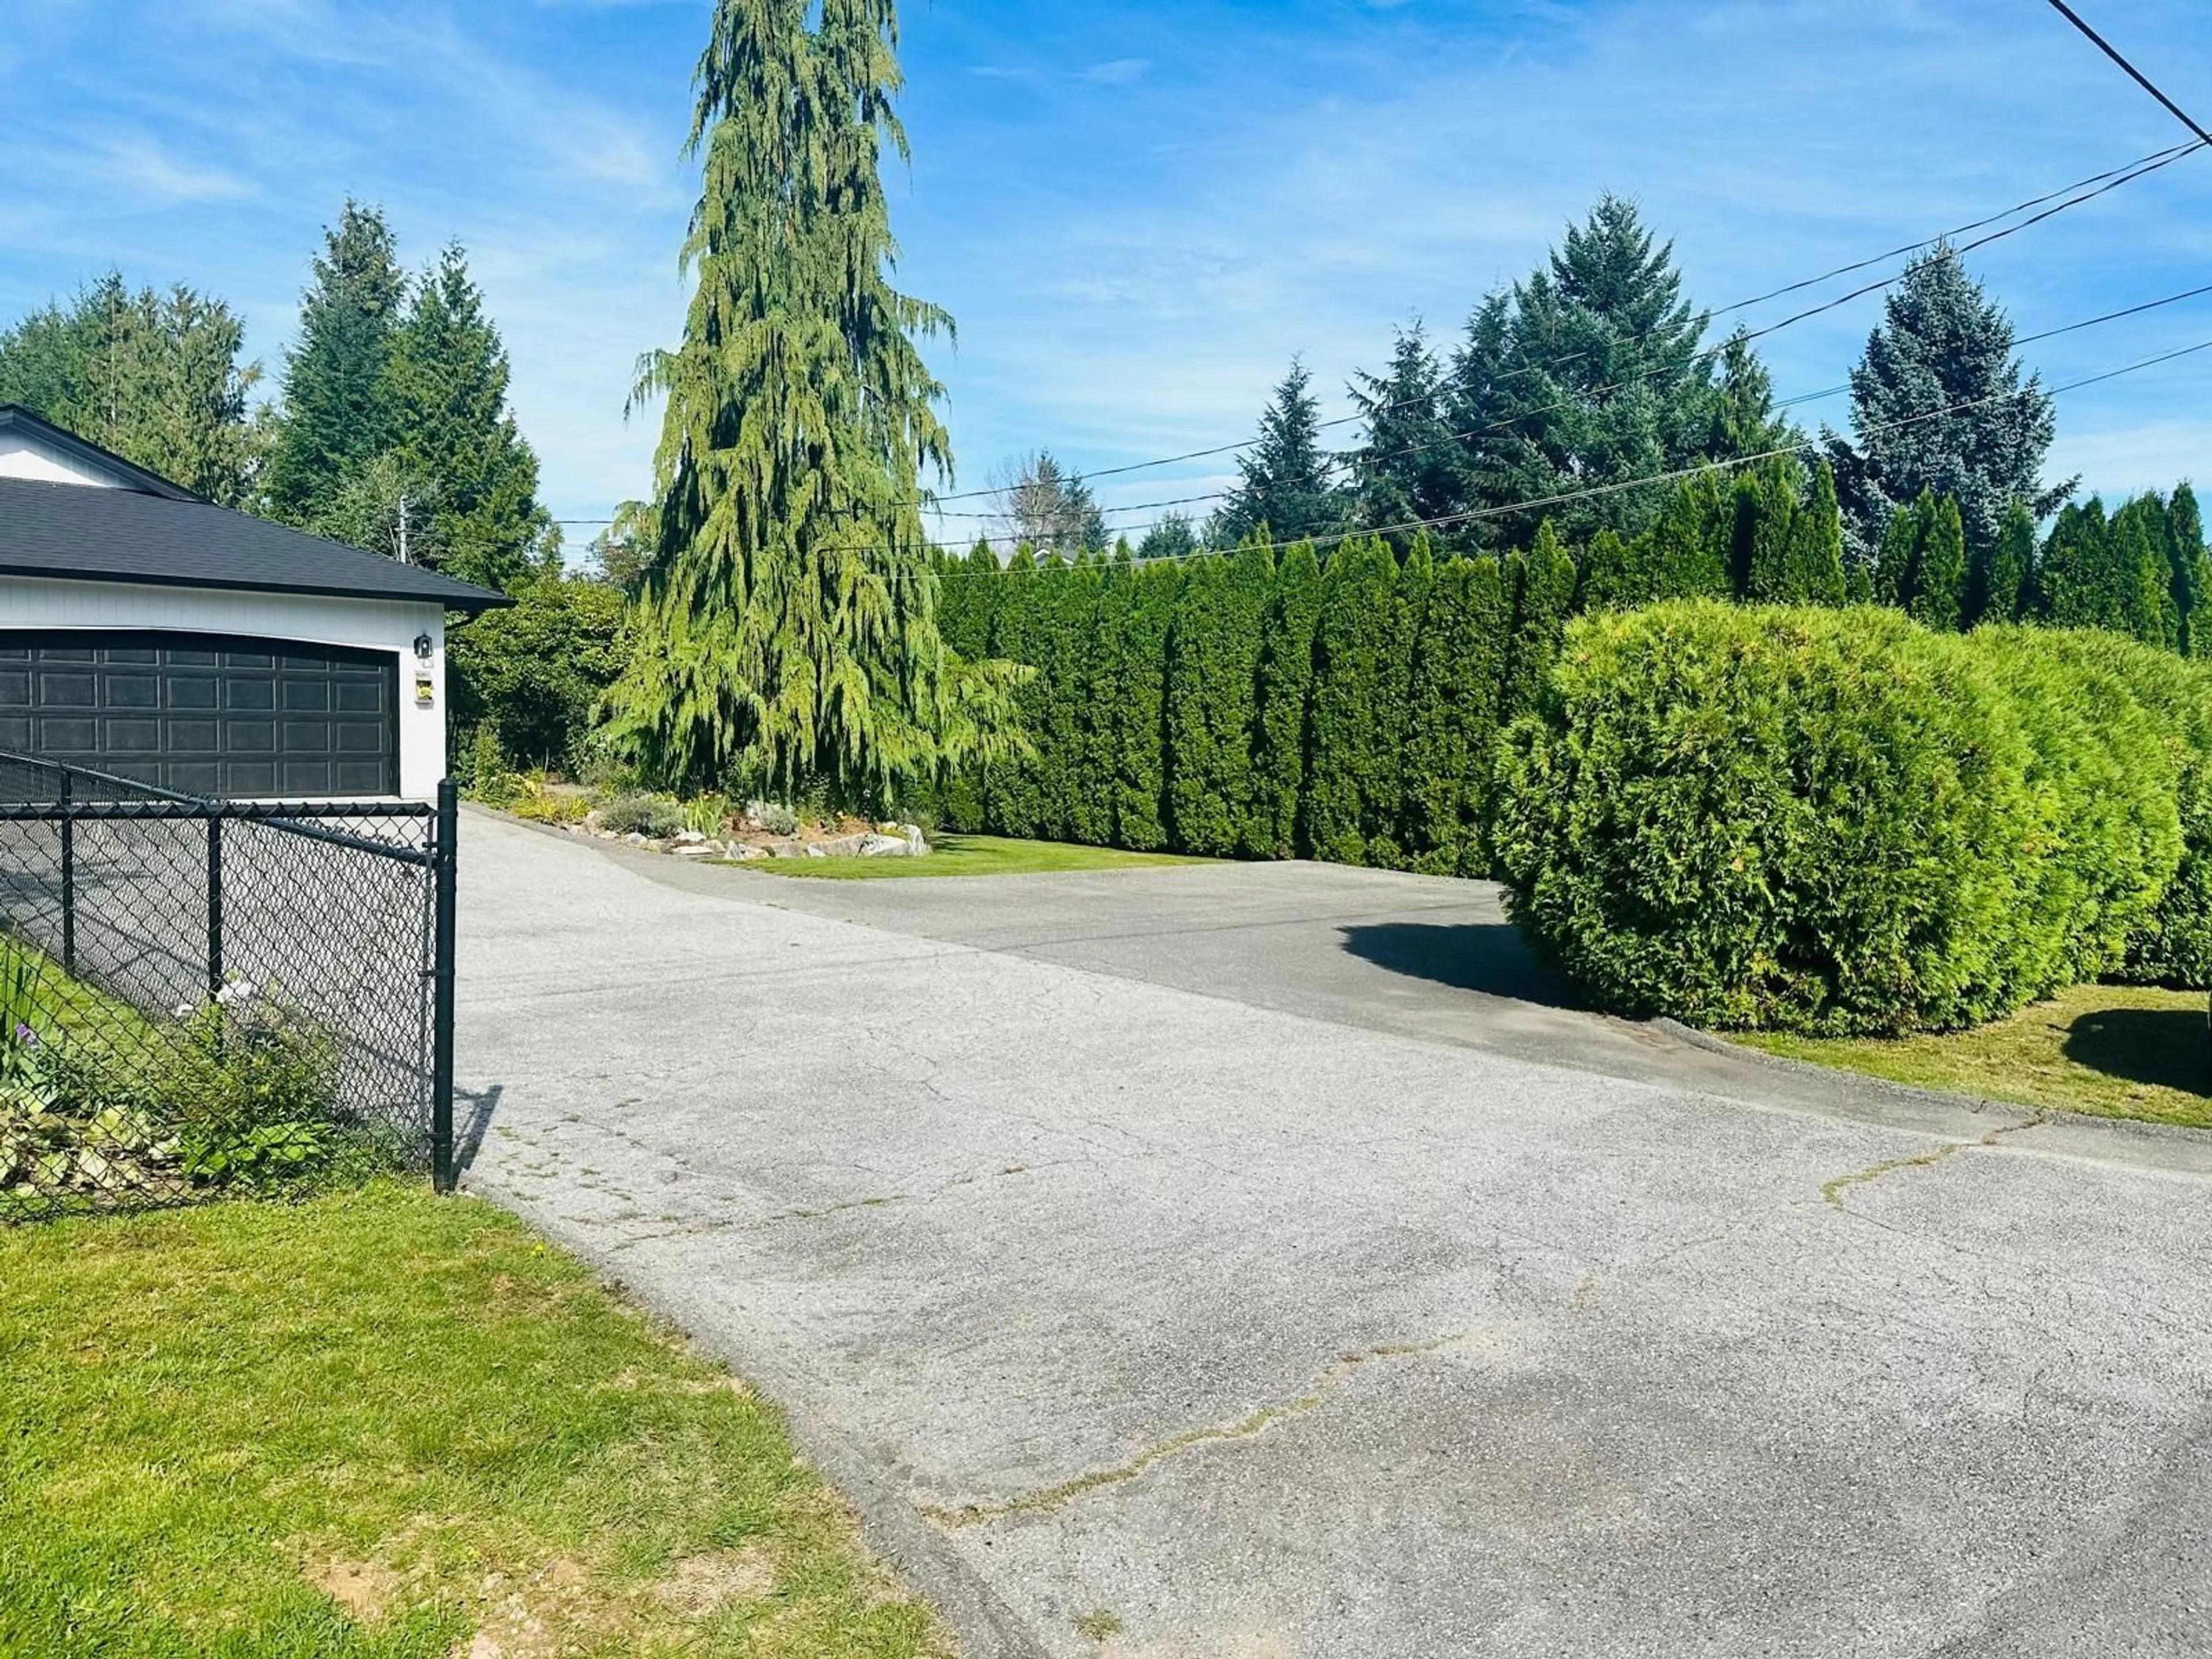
x=387, y=625
x=23, y=456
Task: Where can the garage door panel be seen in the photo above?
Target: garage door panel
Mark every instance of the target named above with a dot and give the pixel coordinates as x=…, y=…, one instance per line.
x=249, y=777
x=60, y=736
x=204, y=715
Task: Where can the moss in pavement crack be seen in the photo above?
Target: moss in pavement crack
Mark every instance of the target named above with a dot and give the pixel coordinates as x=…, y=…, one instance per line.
x=1833, y=1191
x=1051, y=1496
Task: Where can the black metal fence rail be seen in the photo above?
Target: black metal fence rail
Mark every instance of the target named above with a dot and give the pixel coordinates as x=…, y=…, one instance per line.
x=198, y=996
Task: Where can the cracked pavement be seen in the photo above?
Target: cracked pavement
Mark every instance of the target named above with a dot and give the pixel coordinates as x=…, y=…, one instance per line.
x=1224, y=1250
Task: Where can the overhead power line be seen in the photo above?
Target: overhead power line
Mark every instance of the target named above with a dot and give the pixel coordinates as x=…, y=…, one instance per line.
x=1677, y=476
x=2094, y=185
x=1344, y=457
x=2134, y=74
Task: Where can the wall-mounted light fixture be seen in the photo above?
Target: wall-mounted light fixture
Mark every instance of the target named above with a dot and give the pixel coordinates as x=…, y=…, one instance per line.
x=422, y=648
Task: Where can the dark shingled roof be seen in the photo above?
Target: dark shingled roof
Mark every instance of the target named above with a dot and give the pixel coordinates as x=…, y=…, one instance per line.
x=167, y=538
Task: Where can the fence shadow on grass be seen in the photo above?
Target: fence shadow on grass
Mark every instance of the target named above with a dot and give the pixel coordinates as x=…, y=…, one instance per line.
x=2167, y=1047
x=1488, y=957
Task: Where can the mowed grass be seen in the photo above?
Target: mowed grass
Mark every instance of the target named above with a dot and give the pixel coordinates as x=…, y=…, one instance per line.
x=2109, y=1050
x=974, y=855
x=385, y=1424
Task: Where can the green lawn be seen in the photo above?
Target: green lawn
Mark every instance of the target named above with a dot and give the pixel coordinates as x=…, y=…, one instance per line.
x=2110, y=1050
x=973, y=855
x=381, y=1423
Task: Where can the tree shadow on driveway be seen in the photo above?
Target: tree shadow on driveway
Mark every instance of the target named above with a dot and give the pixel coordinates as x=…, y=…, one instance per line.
x=2163, y=1047
x=1488, y=957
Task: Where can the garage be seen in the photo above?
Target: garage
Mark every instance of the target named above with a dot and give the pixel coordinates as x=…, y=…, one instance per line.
x=205, y=715
x=147, y=633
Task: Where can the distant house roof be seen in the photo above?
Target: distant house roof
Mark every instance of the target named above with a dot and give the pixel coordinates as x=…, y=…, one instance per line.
x=147, y=530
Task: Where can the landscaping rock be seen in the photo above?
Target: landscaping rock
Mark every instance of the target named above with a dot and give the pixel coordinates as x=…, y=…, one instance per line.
x=840, y=846
x=785, y=849
x=884, y=847
x=690, y=837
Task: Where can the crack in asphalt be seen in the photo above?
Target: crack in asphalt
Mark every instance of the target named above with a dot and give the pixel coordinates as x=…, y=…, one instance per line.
x=1245, y=1428
x=1833, y=1191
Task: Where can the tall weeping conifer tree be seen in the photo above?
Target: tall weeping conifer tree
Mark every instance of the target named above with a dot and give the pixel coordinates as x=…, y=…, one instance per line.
x=786, y=631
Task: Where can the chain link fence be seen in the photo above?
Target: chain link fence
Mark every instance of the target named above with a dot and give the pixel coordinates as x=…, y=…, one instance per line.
x=202, y=997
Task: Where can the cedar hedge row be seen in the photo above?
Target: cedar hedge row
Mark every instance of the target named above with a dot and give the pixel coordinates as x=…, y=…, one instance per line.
x=1840, y=822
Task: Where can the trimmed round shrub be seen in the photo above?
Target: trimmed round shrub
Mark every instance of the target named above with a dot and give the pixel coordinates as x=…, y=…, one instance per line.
x=2172, y=945
x=1804, y=819
x=2118, y=839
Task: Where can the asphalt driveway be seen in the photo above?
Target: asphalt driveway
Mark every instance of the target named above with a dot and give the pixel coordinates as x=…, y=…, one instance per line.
x=1223, y=1262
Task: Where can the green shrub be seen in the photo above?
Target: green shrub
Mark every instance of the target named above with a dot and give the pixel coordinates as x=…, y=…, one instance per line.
x=2118, y=839
x=2173, y=944
x=1826, y=820
x=653, y=816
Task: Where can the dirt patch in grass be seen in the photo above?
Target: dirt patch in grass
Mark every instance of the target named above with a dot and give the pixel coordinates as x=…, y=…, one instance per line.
x=702, y=1584
x=2105, y=1050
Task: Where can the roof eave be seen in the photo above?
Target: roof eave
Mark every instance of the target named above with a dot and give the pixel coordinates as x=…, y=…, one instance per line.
x=470, y=599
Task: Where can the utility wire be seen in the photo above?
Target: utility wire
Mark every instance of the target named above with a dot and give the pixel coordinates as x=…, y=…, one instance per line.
x=1679, y=475
x=2134, y=74
x=2111, y=179
x=1347, y=456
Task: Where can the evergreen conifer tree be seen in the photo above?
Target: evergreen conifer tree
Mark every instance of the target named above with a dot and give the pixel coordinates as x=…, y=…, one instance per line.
x=1897, y=562
x=1351, y=778
x=1407, y=469
x=1285, y=684
x=1938, y=581
x=1415, y=582
x=336, y=412
x=1014, y=788
x=449, y=423
x=1766, y=514
x=1691, y=547
x=2142, y=573
x=1284, y=484
x=2073, y=576
x=1816, y=545
x=1141, y=776
x=1944, y=345
x=1213, y=654
x=1171, y=537
x=2193, y=571
x=2002, y=583
x=1086, y=812
x=1459, y=672
x=1614, y=572
x=1587, y=372
x=786, y=630
x=1543, y=585
x=156, y=378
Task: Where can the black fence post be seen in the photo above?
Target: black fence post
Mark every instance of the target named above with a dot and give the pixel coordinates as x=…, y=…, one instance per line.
x=215, y=904
x=442, y=873
x=69, y=881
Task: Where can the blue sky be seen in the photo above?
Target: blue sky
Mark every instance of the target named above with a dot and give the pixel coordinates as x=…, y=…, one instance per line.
x=1137, y=212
